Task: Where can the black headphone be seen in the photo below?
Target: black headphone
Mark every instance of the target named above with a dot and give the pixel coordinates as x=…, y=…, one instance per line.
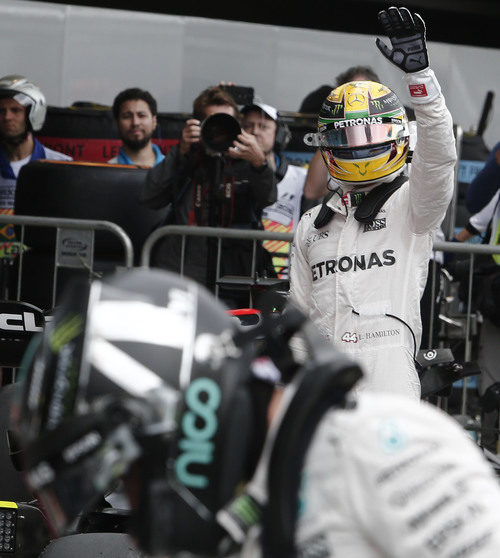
x=282, y=137
x=283, y=134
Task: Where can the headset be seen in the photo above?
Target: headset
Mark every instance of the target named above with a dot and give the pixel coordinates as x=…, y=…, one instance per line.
x=282, y=137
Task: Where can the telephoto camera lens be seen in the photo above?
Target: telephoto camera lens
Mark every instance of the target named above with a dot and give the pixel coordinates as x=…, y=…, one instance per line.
x=218, y=133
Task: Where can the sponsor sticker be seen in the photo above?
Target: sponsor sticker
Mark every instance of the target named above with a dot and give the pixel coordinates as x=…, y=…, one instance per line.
x=418, y=90
x=430, y=355
x=311, y=239
x=75, y=248
x=359, y=121
x=355, y=263
x=375, y=225
x=199, y=427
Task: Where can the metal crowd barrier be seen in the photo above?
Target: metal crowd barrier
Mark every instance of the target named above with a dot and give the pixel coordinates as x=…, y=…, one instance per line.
x=457, y=319
x=454, y=320
x=74, y=245
x=220, y=234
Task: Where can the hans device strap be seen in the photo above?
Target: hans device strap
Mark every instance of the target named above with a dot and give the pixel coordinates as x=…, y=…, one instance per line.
x=325, y=214
x=368, y=208
x=376, y=198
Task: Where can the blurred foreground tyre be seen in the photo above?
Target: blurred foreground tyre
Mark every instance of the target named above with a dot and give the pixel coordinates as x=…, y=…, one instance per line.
x=12, y=487
x=92, y=545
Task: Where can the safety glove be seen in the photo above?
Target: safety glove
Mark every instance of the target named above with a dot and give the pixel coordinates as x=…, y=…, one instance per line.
x=407, y=35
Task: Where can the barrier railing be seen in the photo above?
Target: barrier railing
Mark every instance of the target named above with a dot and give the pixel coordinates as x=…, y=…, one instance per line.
x=220, y=234
x=258, y=236
x=463, y=322
x=466, y=320
x=74, y=243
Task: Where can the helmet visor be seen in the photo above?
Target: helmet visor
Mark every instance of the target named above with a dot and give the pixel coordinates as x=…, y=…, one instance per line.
x=360, y=152
x=348, y=134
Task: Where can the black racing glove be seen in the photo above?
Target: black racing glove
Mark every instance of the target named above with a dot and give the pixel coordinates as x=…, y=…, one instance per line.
x=407, y=35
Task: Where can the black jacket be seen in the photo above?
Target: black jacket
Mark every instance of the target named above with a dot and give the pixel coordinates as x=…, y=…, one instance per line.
x=234, y=199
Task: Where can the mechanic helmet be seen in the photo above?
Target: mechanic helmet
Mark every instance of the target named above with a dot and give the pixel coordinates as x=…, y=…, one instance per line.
x=28, y=95
x=363, y=133
x=139, y=373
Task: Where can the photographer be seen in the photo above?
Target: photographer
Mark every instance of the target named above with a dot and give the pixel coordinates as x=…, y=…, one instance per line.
x=205, y=190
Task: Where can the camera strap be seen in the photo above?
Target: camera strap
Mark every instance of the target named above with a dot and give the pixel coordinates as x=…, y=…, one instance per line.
x=227, y=212
x=199, y=201
x=216, y=208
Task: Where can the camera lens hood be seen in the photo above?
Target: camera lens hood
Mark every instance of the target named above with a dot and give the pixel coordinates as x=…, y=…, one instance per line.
x=218, y=133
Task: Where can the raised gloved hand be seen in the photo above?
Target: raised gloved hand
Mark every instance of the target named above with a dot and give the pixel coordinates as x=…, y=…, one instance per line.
x=407, y=35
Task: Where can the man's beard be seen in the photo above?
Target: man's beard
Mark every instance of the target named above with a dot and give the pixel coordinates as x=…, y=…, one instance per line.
x=14, y=141
x=136, y=145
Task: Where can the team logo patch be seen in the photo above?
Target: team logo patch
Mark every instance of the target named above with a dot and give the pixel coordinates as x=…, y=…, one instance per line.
x=392, y=437
x=375, y=225
x=418, y=90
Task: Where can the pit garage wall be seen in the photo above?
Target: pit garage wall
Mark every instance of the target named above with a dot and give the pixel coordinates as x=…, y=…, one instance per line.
x=89, y=54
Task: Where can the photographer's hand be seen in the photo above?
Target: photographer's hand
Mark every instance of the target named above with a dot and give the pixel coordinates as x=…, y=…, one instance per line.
x=247, y=148
x=190, y=135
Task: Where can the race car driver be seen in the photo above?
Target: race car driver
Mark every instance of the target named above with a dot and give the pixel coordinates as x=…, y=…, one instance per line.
x=359, y=261
x=385, y=477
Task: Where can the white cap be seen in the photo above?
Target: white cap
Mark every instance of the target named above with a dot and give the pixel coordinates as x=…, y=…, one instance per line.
x=267, y=109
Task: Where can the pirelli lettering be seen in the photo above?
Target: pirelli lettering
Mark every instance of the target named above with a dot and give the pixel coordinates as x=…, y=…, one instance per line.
x=355, y=263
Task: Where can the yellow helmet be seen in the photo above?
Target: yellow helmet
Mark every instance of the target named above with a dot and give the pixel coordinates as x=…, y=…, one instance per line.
x=363, y=133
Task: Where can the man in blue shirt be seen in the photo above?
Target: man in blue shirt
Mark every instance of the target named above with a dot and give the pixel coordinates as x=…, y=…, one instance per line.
x=22, y=112
x=135, y=113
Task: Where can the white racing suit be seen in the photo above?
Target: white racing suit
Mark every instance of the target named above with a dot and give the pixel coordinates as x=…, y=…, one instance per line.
x=361, y=284
x=393, y=478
